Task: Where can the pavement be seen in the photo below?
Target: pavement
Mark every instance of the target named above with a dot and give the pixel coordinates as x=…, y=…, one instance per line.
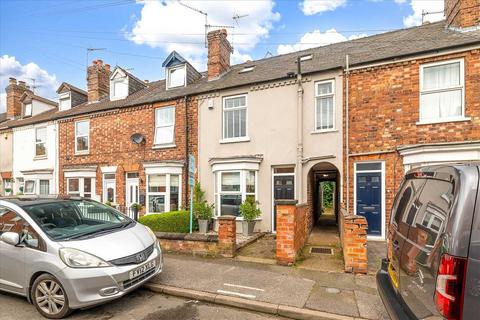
x=272, y=288
x=138, y=305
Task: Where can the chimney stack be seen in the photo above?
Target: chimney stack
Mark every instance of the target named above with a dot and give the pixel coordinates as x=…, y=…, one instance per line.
x=98, y=81
x=14, y=93
x=462, y=14
x=219, y=50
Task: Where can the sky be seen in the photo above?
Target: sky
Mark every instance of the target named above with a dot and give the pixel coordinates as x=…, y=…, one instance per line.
x=45, y=42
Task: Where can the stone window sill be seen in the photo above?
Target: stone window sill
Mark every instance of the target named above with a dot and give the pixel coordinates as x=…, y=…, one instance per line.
x=458, y=119
x=40, y=157
x=82, y=153
x=324, y=131
x=235, y=140
x=164, y=146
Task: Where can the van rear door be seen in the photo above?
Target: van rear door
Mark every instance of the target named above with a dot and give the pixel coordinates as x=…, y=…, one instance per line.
x=398, y=230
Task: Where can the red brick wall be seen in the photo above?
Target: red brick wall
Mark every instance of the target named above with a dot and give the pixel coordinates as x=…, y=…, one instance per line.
x=110, y=144
x=384, y=110
x=353, y=234
x=462, y=13
x=227, y=235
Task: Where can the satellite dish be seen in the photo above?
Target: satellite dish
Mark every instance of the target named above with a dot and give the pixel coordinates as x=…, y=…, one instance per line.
x=137, y=138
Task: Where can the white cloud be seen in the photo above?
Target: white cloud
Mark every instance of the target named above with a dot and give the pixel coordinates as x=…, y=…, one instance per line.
x=311, y=7
x=317, y=38
x=419, y=6
x=46, y=84
x=162, y=24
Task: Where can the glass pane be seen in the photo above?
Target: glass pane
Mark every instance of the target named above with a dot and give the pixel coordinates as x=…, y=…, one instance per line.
x=174, y=192
x=109, y=176
x=120, y=89
x=131, y=175
x=82, y=143
x=41, y=135
x=230, y=181
x=164, y=116
x=369, y=166
x=243, y=122
x=28, y=109
x=82, y=128
x=110, y=193
x=235, y=102
x=284, y=170
x=64, y=103
x=230, y=204
x=87, y=185
x=40, y=149
x=324, y=113
x=164, y=135
x=324, y=88
x=73, y=185
x=29, y=186
x=157, y=183
x=44, y=187
x=177, y=77
x=156, y=204
x=442, y=76
x=250, y=181
x=441, y=105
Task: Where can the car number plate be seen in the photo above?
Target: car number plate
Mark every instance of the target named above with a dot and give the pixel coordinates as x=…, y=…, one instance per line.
x=142, y=269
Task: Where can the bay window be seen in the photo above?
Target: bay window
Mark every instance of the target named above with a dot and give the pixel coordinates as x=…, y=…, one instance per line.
x=163, y=192
x=235, y=117
x=442, y=91
x=80, y=187
x=324, y=105
x=232, y=188
x=164, y=125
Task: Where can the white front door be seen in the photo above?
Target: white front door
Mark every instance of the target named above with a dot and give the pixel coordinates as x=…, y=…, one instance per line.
x=131, y=194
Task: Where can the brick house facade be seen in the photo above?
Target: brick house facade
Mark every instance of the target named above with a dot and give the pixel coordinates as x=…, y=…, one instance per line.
x=386, y=126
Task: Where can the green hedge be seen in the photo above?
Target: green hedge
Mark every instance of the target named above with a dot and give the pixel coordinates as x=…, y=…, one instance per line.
x=174, y=221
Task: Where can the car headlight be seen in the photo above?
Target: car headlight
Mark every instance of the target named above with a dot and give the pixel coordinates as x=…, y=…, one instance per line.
x=155, y=239
x=78, y=259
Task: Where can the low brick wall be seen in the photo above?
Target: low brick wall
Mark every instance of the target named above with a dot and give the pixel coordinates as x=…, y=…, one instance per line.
x=293, y=228
x=353, y=235
x=211, y=245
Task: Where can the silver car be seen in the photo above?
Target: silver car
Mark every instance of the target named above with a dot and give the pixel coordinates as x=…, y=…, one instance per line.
x=65, y=254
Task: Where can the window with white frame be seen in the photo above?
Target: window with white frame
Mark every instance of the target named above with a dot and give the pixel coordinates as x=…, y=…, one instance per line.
x=120, y=88
x=109, y=186
x=232, y=188
x=44, y=187
x=29, y=187
x=176, y=76
x=40, y=142
x=82, y=136
x=164, y=125
x=442, y=91
x=163, y=192
x=80, y=187
x=235, y=117
x=28, y=110
x=64, y=101
x=324, y=105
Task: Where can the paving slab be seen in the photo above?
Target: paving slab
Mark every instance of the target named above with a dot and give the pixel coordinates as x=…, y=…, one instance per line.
x=333, y=300
x=370, y=306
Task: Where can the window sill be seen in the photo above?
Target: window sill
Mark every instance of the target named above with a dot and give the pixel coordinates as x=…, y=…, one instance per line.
x=164, y=146
x=82, y=153
x=324, y=131
x=459, y=119
x=40, y=157
x=235, y=140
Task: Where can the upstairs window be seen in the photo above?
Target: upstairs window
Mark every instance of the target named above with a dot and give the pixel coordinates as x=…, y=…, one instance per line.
x=176, y=76
x=82, y=136
x=235, y=117
x=28, y=110
x=324, y=105
x=120, y=88
x=40, y=142
x=64, y=101
x=164, y=125
x=442, y=91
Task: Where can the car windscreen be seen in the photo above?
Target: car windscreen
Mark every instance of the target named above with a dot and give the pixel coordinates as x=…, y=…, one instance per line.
x=76, y=219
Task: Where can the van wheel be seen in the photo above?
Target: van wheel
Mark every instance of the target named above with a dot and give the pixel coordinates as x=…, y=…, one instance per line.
x=49, y=297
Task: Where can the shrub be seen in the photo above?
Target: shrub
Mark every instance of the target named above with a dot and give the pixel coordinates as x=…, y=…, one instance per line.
x=201, y=208
x=249, y=210
x=174, y=221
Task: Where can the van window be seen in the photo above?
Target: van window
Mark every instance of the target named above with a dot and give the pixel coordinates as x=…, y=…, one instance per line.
x=410, y=188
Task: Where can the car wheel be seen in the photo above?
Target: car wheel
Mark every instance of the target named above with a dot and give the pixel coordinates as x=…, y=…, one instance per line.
x=49, y=297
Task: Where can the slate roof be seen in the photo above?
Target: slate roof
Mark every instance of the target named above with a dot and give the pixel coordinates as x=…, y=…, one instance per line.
x=386, y=46
x=3, y=117
x=71, y=87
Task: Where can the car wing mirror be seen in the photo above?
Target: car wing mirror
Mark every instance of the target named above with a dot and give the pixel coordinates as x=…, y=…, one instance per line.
x=11, y=238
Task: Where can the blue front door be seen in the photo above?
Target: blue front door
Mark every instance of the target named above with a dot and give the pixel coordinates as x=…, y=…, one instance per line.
x=369, y=200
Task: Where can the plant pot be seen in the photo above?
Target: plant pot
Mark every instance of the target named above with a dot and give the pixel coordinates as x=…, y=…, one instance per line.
x=203, y=226
x=247, y=227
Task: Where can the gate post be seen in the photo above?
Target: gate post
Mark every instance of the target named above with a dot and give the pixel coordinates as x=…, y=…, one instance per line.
x=285, y=250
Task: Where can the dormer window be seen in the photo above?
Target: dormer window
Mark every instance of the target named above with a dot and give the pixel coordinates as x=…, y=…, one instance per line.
x=64, y=101
x=119, y=88
x=176, y=76
x=28, y=110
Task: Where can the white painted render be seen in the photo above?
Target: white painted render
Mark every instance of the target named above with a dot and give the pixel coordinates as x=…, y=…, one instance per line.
x=29, y=167
x=271, y=132
x=40, y=106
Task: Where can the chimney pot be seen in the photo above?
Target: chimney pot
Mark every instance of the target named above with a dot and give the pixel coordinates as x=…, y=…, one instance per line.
x=14, y=92
x=22, y=84
x=99, y=62
x=12, y=81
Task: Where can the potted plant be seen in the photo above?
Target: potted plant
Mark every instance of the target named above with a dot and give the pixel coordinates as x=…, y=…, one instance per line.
x=135, y=207
x=249, y=211
x=202, y=211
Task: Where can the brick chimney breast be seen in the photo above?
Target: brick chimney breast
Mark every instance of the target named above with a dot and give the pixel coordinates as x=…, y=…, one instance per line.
x=219, y=50
x=461, y=14
x=98, y=81
x=14, y=92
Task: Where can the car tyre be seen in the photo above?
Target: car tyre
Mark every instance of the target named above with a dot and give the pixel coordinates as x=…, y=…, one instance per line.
x=49, y=297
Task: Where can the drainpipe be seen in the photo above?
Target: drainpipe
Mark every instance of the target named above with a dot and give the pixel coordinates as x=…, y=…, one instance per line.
x=299, y=165
x=347, y=149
